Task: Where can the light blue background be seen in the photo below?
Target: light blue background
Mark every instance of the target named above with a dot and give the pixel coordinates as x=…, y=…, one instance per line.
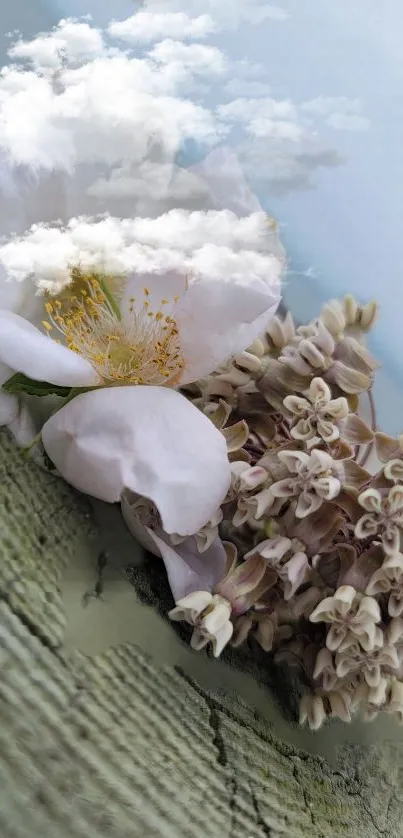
x=344, y=233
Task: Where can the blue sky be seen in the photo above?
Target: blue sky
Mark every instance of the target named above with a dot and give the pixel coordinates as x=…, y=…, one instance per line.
x=341, y=198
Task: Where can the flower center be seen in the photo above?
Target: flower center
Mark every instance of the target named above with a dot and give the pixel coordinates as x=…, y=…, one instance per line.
x=139, y=346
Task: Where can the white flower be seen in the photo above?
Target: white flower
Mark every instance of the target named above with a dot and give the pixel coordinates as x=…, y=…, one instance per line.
x=288, y=560
x=389, y=580
x=187, y=569
x=312, y=710
x=384, y=517
x=150, y=440
x=325, y=669
x=352, y=617
x=354, y=662
x=315, y=477
x=317, y=414
x=210, y=615
x=131, y=330
x=387, y=696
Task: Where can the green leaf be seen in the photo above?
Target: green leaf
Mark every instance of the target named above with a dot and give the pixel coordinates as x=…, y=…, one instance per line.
x=20, y=383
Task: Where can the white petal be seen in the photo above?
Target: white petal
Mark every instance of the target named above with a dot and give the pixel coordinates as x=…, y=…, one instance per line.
x=190, y=606
x=370, y=500
x=189, y=570
x=222, y=314
x=293, y=460
x=222, y=173
x=24, y=348
x=147, y=439
x=318, y=389
x=222, y=637
x=8, y=408
x=158, y=289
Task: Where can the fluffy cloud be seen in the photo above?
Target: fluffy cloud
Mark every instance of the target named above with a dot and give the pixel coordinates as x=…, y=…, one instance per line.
x=348, y=122
x=342, y=113
x=201, y=244
x=181, y=58
x=247, y=88
x=230, y=13
x=285, y=167
x=148, y=26
x=109, y=110
x=118, y=115
x=77, y=41
x=246, y=110
x=325, y=105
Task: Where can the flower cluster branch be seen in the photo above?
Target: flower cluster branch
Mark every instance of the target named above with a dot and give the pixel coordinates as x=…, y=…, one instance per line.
x=315, y=575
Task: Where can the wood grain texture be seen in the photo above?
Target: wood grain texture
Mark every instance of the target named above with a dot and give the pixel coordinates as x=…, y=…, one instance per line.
x=117, y=746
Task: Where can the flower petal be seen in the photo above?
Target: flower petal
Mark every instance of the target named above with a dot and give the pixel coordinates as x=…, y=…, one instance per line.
x=190, y=606
x=308, y=502
x=187, y=569
x=371, y=500
x=223, y=174
x=297, y=405
x=24, y=348
x=221, y=639
x=225, y=308
x=147, y=439
x=394, y=470
x=319, y=390
x=367, y=525
x=8, y=408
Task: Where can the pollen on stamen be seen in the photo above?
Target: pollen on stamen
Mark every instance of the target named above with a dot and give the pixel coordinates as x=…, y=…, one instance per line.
x=140, y=348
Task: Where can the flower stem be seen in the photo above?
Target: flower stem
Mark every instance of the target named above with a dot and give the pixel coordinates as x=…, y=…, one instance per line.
x=28, y=448
x=110, y=298
x=370, y=446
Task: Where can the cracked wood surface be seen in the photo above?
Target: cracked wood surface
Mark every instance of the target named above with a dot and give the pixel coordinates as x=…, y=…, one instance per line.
x=116, y=745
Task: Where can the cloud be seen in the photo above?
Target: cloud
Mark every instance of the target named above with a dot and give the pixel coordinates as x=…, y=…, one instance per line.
x=78, y=40
x=276, y=129
x=247, y=88
x=226, y=13
x=265, y=117
x=283, y=168
x=343, y=114
x=325, y=105
x=245, y=110
x=196, y=58
x=117, y=116
x=147, y=26
x=103, y=108
x=198, y=244
x=348, y=122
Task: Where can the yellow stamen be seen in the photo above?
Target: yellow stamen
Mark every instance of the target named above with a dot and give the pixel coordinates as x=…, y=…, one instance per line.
x=140, y=348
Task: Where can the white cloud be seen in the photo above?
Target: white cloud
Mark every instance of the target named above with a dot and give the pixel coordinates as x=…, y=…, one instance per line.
x=196, y=58
x=196, y=243
x=247, y=88
x=230, y=13
x=341, y=112
x=348, y=122
x=275, y=129
x=69, y=40
x=245, y=110
x=147, y=26
x=325, y=105
x=283, y=167
x=112, y=109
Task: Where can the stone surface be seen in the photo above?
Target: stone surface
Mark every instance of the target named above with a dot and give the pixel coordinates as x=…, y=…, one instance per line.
x=122, y=745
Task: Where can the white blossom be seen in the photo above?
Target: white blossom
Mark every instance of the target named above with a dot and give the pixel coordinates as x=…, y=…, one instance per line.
x=210, y=615
x=351, y=617
x=316, y=414
x=383, y=518
x=314, y=477
x=389, y=580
